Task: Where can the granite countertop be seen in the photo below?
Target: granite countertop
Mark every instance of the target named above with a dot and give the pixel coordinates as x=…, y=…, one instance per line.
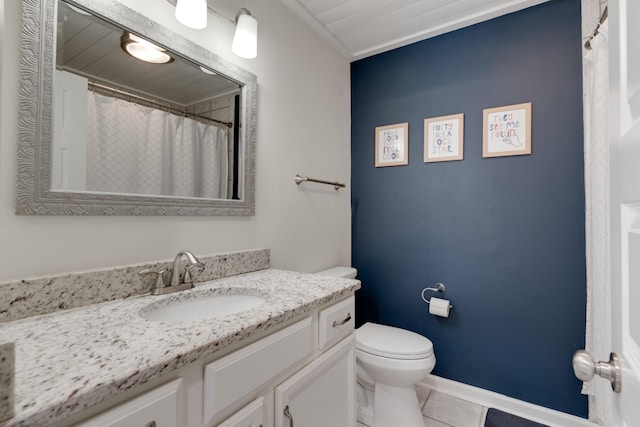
x=70, y=360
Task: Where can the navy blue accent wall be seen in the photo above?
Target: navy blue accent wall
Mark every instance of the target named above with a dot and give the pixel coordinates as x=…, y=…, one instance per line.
x=506, y=234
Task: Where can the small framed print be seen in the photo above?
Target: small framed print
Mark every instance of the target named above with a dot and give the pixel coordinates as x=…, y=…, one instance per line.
x=507, y=131
x=392, y=145
x=444, y=138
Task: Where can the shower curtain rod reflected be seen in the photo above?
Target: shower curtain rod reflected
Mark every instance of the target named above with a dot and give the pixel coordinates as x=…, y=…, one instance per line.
x=93, y=86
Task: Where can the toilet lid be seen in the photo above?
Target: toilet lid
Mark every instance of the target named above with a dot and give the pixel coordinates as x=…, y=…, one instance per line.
x=394, y=343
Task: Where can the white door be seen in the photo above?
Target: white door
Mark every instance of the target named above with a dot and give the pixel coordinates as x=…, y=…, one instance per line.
x=624, y=125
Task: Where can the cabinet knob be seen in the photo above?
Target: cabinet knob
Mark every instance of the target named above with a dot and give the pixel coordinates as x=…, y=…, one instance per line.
x=150, y=424
x=288, y=415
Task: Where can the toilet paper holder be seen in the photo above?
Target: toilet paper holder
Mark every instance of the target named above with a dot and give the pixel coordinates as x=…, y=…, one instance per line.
x=439, y=288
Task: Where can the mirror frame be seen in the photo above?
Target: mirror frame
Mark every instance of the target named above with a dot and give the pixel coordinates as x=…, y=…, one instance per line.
x=35, y=125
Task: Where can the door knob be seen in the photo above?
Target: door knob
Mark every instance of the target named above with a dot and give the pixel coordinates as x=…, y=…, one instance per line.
x=585, y=368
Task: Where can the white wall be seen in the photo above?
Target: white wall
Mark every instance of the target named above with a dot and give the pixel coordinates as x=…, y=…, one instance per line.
x=303, y=127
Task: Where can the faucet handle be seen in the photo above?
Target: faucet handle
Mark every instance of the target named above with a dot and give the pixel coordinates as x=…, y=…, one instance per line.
x=188, y=275
x=159, y=281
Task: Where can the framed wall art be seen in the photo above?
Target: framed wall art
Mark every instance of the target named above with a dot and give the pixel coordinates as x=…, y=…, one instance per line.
x=392, y=145
x=507, y=131
x=444, y=138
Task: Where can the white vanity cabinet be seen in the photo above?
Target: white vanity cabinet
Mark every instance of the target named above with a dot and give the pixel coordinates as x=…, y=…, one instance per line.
x=306, y=367
x=321, y=393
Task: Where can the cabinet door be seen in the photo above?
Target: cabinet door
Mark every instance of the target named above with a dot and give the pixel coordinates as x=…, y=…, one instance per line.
x=251, y=415
x=159, y=407
x=322, y=393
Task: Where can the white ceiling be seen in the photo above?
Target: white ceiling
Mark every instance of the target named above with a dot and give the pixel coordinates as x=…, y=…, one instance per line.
x=361, y=28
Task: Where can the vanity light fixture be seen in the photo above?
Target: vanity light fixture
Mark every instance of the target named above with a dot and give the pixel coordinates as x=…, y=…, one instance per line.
x=245, y=39
x=192, y=13
x=143, y=50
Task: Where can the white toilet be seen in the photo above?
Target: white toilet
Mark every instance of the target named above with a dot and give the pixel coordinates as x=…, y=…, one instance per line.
x=389, y=362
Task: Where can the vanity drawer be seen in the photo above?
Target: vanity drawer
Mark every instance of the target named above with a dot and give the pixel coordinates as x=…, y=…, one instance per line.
x=160, y=407
x=336, y=322
x=235, y=376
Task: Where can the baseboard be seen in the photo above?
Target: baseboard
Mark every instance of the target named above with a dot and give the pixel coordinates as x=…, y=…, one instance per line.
x=517, y=407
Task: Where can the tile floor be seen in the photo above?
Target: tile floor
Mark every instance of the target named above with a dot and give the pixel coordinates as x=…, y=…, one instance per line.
x=442, y=410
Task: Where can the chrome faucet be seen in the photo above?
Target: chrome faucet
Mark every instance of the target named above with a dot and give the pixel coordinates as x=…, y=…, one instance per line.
x=175, y=284
x=175, y=272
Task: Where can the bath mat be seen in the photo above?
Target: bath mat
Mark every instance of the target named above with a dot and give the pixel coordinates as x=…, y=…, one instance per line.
x=497, y=418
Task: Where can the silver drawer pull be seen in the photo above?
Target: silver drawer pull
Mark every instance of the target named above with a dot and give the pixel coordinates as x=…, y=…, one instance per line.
x=288, y=415
x=343, y=321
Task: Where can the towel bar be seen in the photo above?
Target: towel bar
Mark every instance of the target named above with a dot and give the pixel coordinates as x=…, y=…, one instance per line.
x=337, y=185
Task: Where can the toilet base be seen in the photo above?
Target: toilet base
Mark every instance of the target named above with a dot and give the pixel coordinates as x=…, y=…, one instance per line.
x=365, y=405
x=396, y=406
x=391, y=407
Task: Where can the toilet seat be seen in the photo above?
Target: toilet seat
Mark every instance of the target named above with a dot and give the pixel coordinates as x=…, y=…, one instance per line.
x=393, y=343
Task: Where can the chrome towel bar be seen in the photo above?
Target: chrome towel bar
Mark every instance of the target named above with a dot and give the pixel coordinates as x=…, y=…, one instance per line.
x=337, y=185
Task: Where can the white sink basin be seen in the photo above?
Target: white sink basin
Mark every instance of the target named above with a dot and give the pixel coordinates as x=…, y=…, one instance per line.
x=201, y=307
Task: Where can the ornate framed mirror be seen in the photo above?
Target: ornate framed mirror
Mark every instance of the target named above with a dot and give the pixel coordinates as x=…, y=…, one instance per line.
x=104, y=133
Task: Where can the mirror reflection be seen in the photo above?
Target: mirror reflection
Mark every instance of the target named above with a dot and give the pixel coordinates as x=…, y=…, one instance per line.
x=131, y=118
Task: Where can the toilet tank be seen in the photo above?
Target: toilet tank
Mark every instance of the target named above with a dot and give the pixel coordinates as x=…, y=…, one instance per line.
x=340, y=271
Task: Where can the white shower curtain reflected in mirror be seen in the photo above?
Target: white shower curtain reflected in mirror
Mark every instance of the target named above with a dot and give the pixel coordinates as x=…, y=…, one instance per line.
x=596, y=162
x=133, y=149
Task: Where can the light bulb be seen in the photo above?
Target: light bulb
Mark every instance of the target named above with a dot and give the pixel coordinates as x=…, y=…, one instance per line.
x=245, y=39
x=192, y=13
x=144, y=50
